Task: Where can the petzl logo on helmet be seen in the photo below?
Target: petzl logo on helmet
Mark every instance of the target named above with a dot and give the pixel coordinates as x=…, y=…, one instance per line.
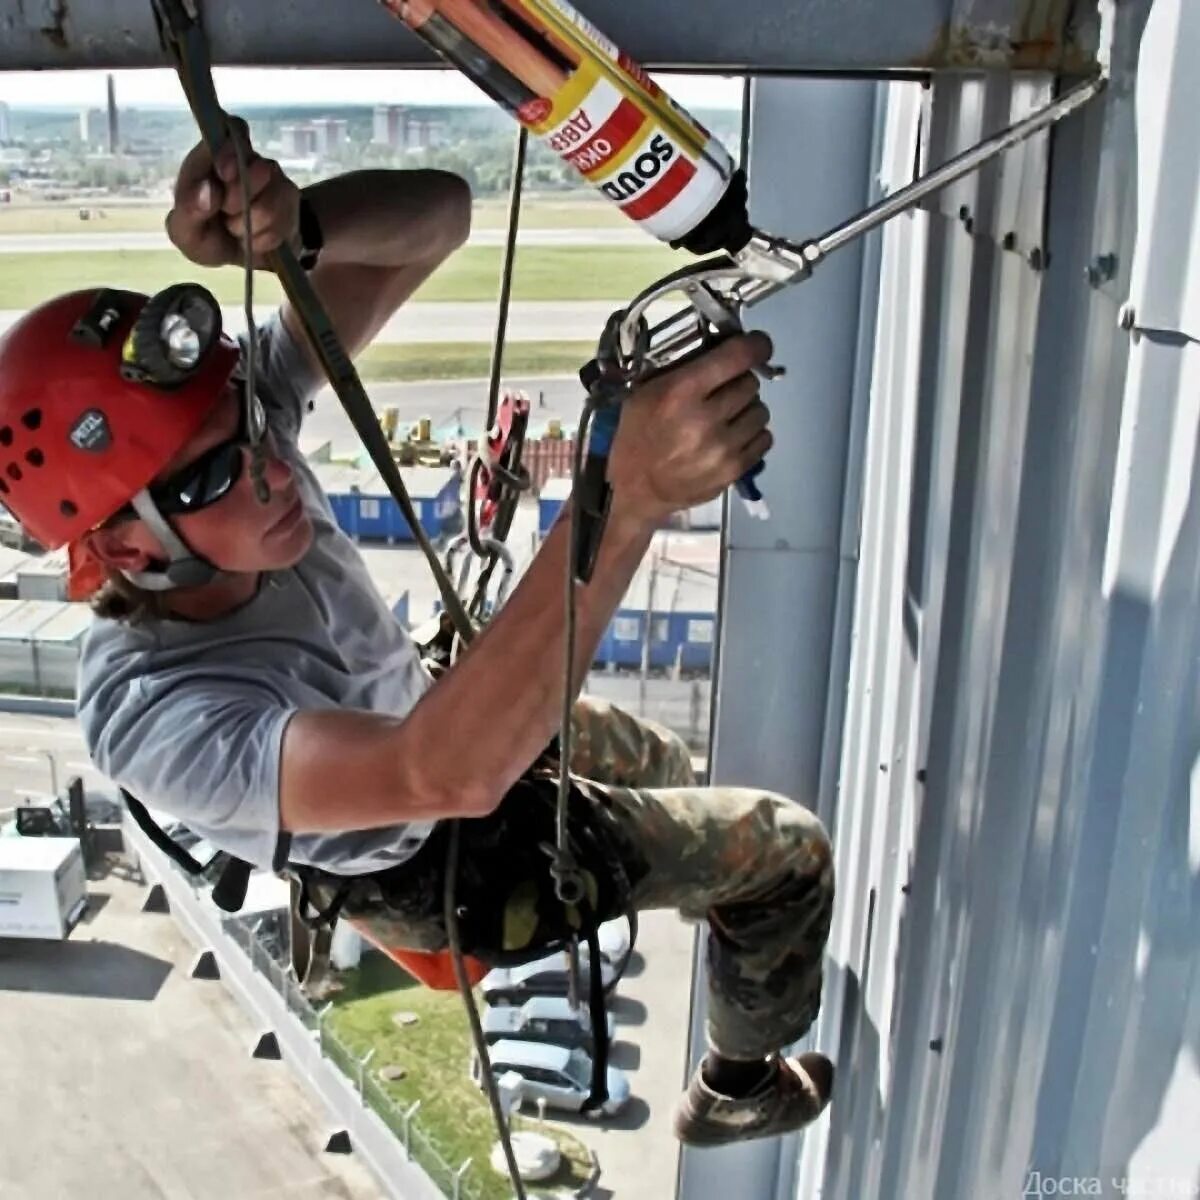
x=90, y=432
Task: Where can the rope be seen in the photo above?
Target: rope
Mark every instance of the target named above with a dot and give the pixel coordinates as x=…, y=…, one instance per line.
x=508, y=507
x=184, y=41
x=568, y=881
x=515, y=187
x=501, y=528
x=450, y=912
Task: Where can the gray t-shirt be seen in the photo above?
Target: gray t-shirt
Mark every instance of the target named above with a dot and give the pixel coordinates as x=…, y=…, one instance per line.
x=189, y=717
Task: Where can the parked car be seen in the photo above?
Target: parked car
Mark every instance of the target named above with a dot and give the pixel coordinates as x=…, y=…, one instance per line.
x=561, y=1077
x=543, y=977
x=542, y=1019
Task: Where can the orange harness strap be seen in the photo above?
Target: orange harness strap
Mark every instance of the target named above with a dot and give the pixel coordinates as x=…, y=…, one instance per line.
x=433, y=968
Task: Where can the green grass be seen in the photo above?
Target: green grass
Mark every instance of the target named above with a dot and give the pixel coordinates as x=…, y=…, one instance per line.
x=575, y=212
x=542, y=273
x=469, y=360
x=435, y=1053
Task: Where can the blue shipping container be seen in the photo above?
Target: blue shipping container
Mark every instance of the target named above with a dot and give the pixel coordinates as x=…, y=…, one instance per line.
x=675, y=637
x=370, y=513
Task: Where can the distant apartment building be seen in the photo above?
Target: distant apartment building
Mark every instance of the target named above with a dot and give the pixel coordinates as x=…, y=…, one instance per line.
x=93, y=128
x=299, y=141
x=5, y=123
x=391, y=126
x=425, y=134
x=332, y=133
x=99, y=128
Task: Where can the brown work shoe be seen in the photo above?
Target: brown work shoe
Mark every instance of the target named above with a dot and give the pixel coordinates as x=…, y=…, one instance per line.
x=794, y=1095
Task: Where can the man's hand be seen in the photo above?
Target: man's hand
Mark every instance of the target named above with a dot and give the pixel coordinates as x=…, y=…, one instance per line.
x=208, y=220
x=685, y=436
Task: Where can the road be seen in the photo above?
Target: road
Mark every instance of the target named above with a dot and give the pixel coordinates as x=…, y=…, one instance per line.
x=57, y=243
x=637, y=1151
x=37, y=751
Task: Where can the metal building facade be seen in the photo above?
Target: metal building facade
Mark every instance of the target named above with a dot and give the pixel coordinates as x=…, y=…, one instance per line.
x=1002, y=726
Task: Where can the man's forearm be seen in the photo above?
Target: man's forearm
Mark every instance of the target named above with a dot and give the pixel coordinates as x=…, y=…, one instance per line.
x=500, y=705
x=391, y=218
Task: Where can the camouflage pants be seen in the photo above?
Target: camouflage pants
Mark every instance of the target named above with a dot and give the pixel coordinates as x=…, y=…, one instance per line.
x=755, y=865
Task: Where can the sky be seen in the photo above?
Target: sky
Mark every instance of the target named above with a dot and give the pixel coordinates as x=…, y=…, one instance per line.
x=246, y=86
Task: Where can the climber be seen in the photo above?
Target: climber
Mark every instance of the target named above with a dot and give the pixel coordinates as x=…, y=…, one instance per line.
x=244, y=675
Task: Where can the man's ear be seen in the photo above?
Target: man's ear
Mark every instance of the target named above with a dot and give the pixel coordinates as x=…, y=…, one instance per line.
x=116, y=547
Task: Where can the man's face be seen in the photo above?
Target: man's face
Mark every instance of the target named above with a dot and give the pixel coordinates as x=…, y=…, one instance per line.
x=237, y=532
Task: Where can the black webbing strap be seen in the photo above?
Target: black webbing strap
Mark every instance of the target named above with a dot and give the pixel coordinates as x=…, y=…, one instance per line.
x=597, y=1012
x=312, y=916
x=229, y=892
x=172, y=849
x=183, y=38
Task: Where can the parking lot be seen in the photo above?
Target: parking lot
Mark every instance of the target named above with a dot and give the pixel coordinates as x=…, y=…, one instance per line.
x=638, y=1154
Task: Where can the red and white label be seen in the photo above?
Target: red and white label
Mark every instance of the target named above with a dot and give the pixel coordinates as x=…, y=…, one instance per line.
x=613, y=136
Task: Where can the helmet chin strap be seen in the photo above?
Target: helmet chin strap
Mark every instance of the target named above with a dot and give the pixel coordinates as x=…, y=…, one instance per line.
x=185, y=568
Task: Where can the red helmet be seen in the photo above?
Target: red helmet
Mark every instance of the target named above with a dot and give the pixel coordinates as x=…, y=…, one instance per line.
x=98, y=395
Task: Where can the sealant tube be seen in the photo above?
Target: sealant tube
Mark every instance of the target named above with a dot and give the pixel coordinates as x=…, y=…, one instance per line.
x=597, y=109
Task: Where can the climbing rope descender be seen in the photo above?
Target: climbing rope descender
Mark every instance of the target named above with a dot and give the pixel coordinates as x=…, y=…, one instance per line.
x=497, y=476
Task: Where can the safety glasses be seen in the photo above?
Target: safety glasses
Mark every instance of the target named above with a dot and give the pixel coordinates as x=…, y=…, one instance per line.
x=215, y=473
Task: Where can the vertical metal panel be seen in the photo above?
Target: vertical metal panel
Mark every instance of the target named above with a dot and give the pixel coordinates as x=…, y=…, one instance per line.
x=892, y=160
x=1165, y=289
x=809, y=165
x=1016, y=953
